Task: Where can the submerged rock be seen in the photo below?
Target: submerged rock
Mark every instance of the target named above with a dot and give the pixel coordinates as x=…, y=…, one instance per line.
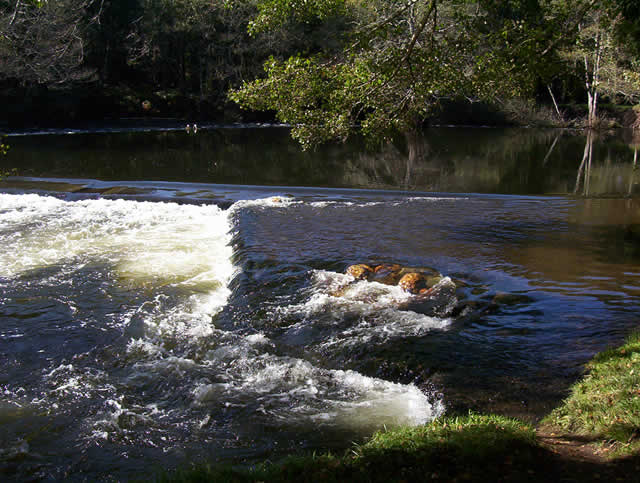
x=433, y=281
x=502, y=298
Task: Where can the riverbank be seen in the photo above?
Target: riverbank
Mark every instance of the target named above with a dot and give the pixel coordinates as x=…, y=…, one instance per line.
x=593, y=436
x=44, y=107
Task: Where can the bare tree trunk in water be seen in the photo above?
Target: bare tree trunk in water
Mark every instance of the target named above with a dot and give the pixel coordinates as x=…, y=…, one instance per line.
x=546, y=158
x=586, y=161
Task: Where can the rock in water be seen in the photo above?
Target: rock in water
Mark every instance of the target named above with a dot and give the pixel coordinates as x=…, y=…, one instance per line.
x=387, y=273
x=360, y=271
x=433, y=281
x=413, y=282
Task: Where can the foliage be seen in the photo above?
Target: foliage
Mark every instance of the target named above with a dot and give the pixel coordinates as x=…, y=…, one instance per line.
x=277, y=13
x=605, y=405
x=393, y=69
x=381, y=65
x=593, y=45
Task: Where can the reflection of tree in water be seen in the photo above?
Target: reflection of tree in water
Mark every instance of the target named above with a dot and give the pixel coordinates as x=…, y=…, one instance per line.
x=609, y=176
x=458, y=159
x=634, y=143
x=461, y=160
x=586, y=160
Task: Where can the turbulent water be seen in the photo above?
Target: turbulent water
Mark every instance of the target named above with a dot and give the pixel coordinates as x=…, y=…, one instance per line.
x=115, y=342
x=216, y=322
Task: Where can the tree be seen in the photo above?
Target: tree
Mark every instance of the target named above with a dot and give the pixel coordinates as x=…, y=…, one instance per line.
x=206, y=41
x=608, y=64
x=108, y=37
x=41, y=42
x=392, y=70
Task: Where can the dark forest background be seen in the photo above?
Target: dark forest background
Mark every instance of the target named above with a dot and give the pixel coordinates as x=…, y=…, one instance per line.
x=75, y=60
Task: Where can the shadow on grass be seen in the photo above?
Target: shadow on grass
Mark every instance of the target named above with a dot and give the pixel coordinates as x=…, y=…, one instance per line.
x=473, y=448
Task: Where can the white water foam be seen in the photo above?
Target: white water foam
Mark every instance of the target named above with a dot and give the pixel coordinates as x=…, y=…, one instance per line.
x=377, y=307
x=387, y=203
x=270, y=202
x=181, y=256
x=178, y=254
x=295, y=391
x=287, y=200
x=145, y=243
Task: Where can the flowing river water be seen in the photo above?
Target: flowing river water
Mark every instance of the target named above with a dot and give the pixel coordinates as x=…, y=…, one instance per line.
x=168, y=298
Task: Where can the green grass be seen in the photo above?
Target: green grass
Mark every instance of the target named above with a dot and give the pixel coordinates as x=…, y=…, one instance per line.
x=605, y=404
x=471, y=448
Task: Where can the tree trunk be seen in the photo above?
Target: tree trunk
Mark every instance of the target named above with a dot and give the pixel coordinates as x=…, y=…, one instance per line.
x=592, y=104
x=555, y=104
x=592, y=80
x=633, y=170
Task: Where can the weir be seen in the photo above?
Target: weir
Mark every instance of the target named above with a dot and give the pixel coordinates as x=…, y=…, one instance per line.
x=168, y=298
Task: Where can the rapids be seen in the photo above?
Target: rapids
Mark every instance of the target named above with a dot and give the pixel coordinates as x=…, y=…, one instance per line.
x=116, y=343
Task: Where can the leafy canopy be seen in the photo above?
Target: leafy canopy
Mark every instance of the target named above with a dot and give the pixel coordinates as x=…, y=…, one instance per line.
x=394, y=65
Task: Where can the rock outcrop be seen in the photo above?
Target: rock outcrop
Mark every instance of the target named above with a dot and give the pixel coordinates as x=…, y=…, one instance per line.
x=360, y=271
x=413, y=283
x=387, y=273
x=417, y=281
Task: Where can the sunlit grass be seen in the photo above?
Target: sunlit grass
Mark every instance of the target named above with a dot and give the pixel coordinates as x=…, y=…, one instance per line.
x=605, y=404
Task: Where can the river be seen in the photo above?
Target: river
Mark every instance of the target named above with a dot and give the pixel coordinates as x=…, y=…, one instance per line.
x=168, y=297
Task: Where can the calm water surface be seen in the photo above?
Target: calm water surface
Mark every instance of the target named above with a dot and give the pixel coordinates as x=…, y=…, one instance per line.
x=167, y=297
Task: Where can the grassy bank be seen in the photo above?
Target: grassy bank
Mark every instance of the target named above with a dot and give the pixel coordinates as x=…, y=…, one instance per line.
x=445, y=449
x=602, y=413
x=605, y=405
